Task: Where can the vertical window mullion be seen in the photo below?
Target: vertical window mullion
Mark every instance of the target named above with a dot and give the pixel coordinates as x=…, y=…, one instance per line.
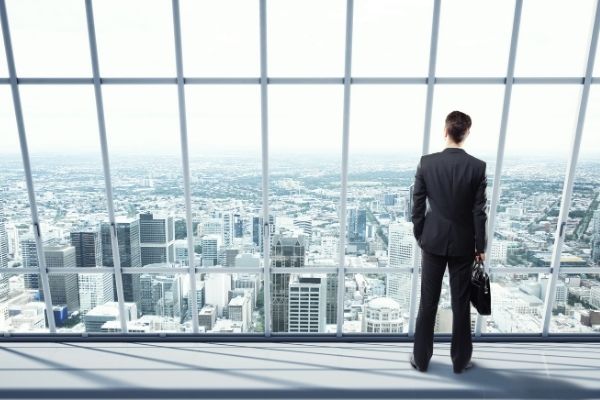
x=185, y=159
x=264, y=120
x=344, y=184
x=435, y=28
x=117, y=268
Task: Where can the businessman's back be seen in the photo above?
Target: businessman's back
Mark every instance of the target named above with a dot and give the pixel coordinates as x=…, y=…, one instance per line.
x=453, y=183
x=451, y=232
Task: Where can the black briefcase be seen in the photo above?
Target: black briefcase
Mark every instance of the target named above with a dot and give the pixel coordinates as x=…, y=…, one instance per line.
x=480, y=289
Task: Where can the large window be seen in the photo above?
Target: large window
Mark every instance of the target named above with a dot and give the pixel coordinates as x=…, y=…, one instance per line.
x=180, y=124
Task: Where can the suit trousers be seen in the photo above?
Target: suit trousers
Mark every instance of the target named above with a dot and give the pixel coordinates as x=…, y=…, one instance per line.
x=432, y=273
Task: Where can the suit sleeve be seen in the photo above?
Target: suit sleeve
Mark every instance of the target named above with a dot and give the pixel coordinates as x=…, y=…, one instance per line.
x=479, y=213
x=419, y=204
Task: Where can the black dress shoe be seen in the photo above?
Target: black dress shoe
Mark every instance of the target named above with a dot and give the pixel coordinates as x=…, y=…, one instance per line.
x=415, y=366
x=466, y=367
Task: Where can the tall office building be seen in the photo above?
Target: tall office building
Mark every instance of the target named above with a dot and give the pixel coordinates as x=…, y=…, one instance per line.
x=4, y=289
x=257, y=230
x=211, y=247
x=286, y=252
x=227, y=218
x=304, y=224
x=403, y=251
x=88, y=250
x=128, y=234
x=596, y=237
x=157, y=239
x=162, y=295
x=238, y=226
x=307, y=298
x=29, y=258
x=94, y=290
x=64, y=289
x=356, y=230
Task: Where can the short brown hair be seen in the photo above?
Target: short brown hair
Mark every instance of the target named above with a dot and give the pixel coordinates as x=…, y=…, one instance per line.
x=457, y=124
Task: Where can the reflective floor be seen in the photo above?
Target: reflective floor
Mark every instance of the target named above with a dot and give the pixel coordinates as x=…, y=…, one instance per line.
x=294, y=371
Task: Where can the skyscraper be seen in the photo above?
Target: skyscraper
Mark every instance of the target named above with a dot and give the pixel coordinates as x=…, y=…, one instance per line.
x=356, y=229
x=3, y=255
x=30, y=260
x=157, y=239
x=88, y=251
x=211, y=246
x=286, y=252
x=64, y=289
x=596, y=237
x=257, y=230
x=128, y=235
x=307, y=304
x=162, y=295
x=403, y=251
x=94, y=290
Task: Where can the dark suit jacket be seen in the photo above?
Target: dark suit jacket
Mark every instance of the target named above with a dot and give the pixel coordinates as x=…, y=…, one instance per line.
x=453, y=183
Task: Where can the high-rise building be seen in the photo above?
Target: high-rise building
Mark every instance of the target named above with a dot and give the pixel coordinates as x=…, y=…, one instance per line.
x=596, y=237
x=356, y=230
x=88, y=250
x=238, y=226
x=289, y=252
x=216, y=289
x=403, y=251
x=257, y=230
x=211, y=247
x=64, y=289
x=30, y=260
x=94, y=290
x=162, y=295
x=4, y=288
x=128, y=235
x=157, y=239
x=307, y=298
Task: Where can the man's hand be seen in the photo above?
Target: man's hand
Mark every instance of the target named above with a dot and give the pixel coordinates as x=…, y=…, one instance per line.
x=480, y=257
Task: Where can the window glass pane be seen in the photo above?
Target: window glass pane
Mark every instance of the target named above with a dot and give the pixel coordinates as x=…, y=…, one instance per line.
x=541, y=125
x=391, y=38
x=378, y=302
x=385, y=146
x=576, y=304
x=143, y=137
x=303, y=303
x=474, y=38
x=226, y=170
x=62, y=132
x=554, y=38
x=306, y=38
x=517, y=303
x=220, y=38
x=17, y=245
x=483, y=103
x=25, y=312
x=582, y=233
x=135, y=38
x=49, y=38
x=305, y=136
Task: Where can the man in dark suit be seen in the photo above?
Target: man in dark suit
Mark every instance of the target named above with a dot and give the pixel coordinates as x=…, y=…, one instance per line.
x=449, y=223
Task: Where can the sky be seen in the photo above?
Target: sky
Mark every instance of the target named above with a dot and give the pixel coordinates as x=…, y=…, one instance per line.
x=305, y=39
